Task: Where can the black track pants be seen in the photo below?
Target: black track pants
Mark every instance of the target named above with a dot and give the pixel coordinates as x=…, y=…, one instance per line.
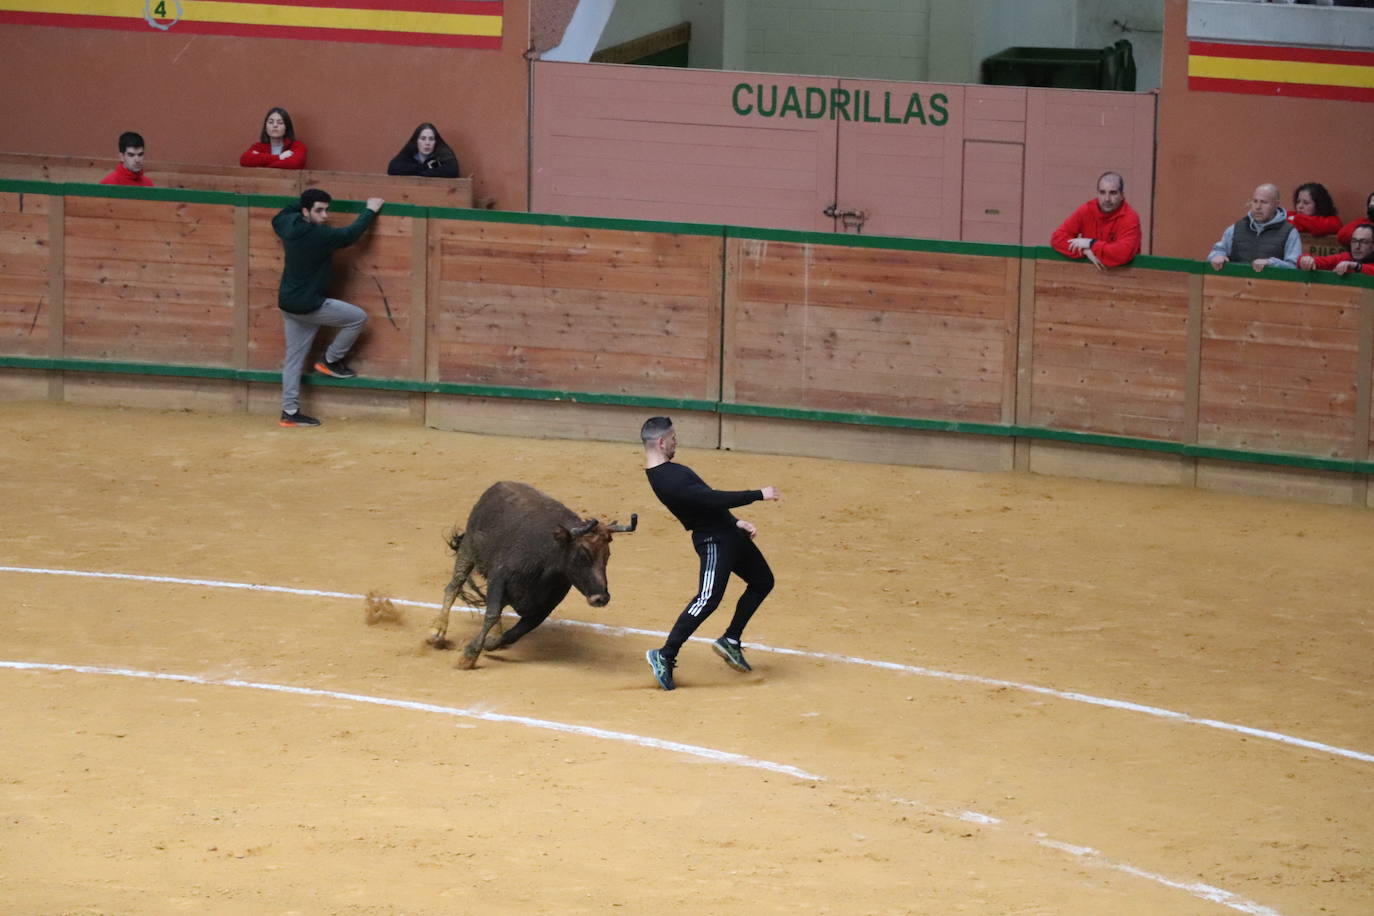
x=722, y=553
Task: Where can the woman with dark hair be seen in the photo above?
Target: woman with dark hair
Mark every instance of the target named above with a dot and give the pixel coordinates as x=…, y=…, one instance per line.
x=426, y=155
x=1313, y=211
x=1348, y=230
x=278, y=148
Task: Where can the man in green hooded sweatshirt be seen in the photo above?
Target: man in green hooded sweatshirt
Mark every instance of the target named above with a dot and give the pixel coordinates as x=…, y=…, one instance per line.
x=310, y=242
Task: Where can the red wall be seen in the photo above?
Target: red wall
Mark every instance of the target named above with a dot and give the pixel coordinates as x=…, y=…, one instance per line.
x=200, y=99
x=1215, y=147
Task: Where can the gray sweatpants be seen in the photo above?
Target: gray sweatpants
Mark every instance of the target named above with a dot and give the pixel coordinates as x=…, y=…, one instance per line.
x=300, y=334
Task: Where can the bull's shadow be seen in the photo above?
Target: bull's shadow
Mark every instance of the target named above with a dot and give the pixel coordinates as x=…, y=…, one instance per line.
x=556, y=641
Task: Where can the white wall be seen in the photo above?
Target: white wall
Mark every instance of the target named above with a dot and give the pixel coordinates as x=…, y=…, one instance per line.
x=964, y=32
x=937, y=40
x=1144, y=21
x=875, y=39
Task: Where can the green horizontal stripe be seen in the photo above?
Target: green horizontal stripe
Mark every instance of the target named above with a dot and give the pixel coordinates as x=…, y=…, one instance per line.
x=898, y=243
x=1277, y=459
x=580, y=222
x=267, y=376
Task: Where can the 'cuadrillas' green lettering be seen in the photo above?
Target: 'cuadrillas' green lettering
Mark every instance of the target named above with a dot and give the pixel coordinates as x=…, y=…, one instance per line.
x=836, y=104
x=734, y=100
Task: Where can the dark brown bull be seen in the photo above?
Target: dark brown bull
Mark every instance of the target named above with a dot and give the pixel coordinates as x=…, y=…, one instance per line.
x=530, y=549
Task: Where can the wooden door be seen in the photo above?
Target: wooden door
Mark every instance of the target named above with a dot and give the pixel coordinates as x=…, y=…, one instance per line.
x=992, y=192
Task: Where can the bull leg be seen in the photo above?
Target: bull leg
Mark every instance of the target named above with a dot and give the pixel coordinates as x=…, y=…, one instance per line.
x=512, y=636
x=438, y=630
x=491, y=619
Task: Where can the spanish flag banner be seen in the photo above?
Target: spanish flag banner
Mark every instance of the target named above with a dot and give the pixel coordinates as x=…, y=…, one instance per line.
x=1306, y=73
x=442, y=23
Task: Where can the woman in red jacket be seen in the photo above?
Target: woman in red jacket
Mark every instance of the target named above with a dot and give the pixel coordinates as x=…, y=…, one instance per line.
x=278, y=148
x=1313, y=210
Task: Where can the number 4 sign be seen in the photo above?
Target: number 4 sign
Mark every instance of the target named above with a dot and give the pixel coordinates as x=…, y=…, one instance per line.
x=155, y=10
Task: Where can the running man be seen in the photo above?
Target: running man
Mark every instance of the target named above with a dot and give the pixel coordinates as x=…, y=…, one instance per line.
x=724, y=543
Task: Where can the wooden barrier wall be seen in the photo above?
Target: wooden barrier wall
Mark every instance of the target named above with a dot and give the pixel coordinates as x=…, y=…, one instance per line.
x=232, y=179
x=892, y=349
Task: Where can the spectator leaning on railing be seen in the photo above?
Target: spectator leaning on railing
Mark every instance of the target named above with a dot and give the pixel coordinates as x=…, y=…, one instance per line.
x=1359, y=259
x=1262, y=238
x=130, y=169
x=1106, y=231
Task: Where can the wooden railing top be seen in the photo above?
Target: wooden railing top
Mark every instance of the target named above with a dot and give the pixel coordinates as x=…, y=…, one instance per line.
x=232, y=179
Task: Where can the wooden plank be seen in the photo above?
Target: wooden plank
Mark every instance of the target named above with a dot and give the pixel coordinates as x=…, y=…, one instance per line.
x=57, y=297
x=1251, y=353
x=424, y=192
x=25, y=262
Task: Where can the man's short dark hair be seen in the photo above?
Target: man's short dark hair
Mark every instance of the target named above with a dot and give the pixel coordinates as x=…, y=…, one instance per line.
x=1120, y=182
x=312, y=196
x=130, y=140
x=655, y=428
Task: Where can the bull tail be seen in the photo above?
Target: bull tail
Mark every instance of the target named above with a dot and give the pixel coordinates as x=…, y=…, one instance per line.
x=454, y=539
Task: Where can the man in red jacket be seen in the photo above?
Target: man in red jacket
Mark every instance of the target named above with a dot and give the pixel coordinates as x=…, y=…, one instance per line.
x=1360, y=259
x=1106, y=231
x=130, y=168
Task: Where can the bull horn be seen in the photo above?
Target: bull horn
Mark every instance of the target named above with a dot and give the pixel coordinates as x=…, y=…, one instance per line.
x=634, y=523
x=583, y=528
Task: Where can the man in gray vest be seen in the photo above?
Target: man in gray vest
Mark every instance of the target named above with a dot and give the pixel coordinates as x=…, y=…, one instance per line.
x=1262, y=238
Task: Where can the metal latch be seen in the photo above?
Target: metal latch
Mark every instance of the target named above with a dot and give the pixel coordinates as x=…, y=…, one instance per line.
x=849, y=219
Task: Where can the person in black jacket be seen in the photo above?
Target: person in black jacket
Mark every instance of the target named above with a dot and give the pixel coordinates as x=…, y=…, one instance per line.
x=724, y=543
x=426, y=155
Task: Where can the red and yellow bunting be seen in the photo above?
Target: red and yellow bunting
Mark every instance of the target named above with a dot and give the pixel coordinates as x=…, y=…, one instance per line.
x=443, y=23
x=1307, y=73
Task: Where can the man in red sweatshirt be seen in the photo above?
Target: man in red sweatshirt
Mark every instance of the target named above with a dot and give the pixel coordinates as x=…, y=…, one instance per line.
x=1359, y=260
x=130, y=168
x=1106, y=231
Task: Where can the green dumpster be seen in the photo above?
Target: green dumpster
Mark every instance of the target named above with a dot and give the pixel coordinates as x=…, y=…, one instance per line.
x=1063, y=68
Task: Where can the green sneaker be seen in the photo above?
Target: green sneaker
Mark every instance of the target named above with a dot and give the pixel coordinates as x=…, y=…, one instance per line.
x=732, y=653
x=662, y=668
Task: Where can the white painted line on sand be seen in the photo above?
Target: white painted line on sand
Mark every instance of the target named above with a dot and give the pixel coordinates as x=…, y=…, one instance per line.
x=1197, y=889
x=1124, y=705
x=586, y=731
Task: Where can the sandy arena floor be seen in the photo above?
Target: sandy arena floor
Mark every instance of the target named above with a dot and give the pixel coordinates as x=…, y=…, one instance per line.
x=923, y=733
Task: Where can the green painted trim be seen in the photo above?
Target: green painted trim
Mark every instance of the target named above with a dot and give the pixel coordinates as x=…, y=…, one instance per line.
x=1146, y=261
x=120, y=192
x=25, y=186
x=1311, y=462
x=1275, y=459
x=584, y=222
x=273, y=377
x=891, y=242
x=270, y=201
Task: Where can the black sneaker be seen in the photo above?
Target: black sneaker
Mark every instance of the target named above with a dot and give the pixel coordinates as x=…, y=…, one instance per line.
x=732, y=653
x=338, y=370
x=297, y=419
x=662, y=668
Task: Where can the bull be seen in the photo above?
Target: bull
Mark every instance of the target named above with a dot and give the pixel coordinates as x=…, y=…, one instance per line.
x=531, y=549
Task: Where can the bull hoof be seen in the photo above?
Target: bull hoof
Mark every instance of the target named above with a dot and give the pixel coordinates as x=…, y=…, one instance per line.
x=439, y=642
x=468, y=661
